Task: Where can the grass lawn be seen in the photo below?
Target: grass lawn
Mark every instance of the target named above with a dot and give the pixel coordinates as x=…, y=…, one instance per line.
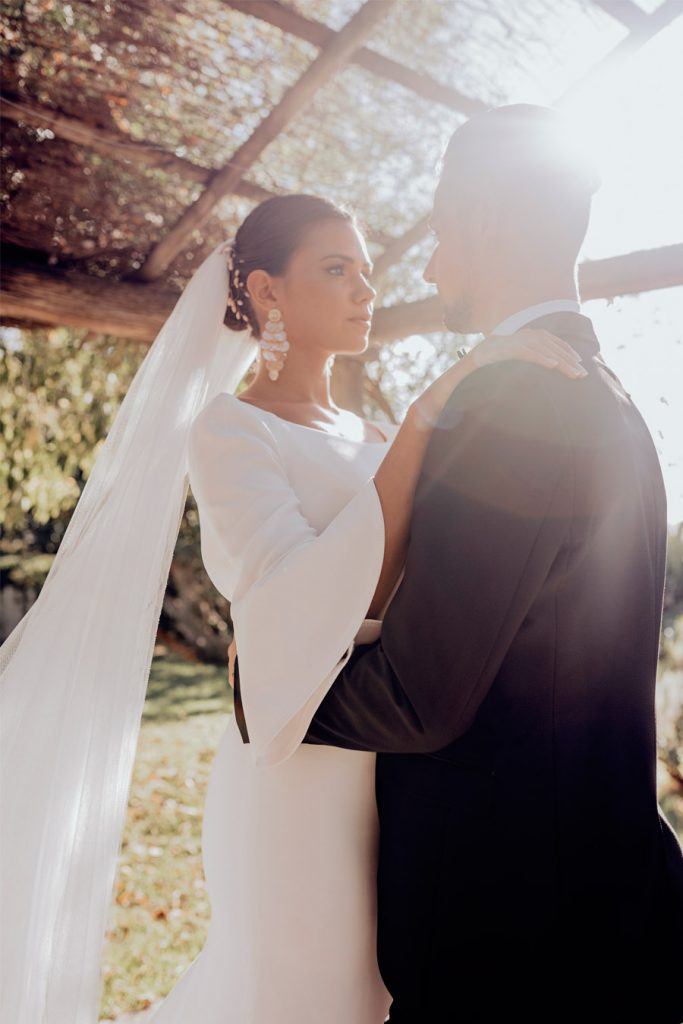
x=160, y=913
x=159, y=916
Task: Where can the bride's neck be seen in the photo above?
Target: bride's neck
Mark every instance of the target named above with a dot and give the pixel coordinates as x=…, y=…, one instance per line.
x=304, y=380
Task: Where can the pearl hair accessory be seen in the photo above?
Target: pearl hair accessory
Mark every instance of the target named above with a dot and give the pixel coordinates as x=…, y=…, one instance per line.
x=273, y=343
x=235, y=282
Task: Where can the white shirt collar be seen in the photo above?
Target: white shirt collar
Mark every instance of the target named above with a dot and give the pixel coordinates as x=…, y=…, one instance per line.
x=525, y=316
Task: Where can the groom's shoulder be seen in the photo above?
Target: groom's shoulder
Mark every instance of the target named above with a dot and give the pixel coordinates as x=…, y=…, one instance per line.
x=500, y=433
x=509, y=397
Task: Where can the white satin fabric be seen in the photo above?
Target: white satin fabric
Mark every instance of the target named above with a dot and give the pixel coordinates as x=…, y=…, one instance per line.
x=292, y=534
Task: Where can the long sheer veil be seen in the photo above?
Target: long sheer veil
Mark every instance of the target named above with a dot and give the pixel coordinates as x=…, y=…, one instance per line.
x=73, y=672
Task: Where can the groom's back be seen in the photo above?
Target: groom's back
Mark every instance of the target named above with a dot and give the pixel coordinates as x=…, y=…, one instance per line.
x=582, y=667
x=539, y=828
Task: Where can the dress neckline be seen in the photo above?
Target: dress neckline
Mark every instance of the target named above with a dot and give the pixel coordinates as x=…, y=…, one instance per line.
x=316, y=430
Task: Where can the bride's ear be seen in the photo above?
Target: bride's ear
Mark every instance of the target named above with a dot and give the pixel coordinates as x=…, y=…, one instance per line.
x=260, y=290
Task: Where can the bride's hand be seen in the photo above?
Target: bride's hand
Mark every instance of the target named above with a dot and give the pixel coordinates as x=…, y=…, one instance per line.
x=232, y=654
x=530, y=345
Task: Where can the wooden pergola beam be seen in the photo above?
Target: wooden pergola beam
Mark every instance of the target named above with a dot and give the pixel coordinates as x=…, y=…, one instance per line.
x=58, y=298
x=397, y=249
x=289, y=20
x=111, y=144
x=625, y=11
x=114, y=145
x=646, y=270
x=51, y=297
x=632, y=273
x=643, y=27
x=117, y=147
x=642, y=32
x=331, y=59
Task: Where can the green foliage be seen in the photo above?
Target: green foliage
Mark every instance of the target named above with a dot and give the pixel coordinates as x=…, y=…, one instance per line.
x=673, y=602
x=59, y=392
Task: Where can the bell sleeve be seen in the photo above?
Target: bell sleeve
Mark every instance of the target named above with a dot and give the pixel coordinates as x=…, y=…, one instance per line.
x=298, y=597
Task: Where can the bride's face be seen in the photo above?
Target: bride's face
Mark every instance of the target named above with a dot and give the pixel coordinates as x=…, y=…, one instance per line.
x=325, y=295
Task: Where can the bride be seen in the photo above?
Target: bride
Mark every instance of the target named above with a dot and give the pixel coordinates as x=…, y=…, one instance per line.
x=304, y=522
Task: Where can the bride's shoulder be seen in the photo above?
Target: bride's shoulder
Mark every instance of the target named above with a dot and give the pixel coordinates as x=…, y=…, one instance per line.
x=225, y=413
x=224, y=408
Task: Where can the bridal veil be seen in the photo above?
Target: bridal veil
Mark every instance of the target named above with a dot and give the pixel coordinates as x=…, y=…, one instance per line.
x=74, y=670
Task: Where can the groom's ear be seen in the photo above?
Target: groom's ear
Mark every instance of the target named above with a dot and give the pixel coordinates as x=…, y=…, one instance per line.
x=485, y=217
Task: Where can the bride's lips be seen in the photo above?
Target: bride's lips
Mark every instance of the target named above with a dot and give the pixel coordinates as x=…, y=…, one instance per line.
x=364, y=320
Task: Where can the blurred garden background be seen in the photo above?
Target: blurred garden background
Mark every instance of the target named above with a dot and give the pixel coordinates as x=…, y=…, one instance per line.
x=116, y=115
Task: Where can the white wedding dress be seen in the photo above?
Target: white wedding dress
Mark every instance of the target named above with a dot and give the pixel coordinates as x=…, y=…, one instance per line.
x=292, y=533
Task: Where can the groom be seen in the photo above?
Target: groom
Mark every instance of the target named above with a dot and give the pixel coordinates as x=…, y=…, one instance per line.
x=525, y=872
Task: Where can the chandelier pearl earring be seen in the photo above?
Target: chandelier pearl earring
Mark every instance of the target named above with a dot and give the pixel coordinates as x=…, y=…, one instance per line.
x=273, y=343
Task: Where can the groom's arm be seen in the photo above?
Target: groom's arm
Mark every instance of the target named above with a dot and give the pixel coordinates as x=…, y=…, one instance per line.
x=490, y=515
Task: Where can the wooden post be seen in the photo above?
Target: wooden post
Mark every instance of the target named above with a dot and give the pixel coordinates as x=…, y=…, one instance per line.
x=40, y=295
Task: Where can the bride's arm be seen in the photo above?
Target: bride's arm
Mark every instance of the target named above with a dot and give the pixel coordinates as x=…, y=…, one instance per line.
x=397, y=476
x=393, y=485
x=493, y=508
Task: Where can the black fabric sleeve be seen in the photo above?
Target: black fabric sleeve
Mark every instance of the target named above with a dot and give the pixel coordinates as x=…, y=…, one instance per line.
x=491, y=512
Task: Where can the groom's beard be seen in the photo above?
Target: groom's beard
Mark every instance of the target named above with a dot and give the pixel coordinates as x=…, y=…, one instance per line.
x=458, y=317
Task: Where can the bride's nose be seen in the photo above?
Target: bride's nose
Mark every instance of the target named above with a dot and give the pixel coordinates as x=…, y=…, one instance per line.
x=366, y=293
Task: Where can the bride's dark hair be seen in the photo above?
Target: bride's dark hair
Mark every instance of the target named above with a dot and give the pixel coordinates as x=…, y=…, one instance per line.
x=266, y=240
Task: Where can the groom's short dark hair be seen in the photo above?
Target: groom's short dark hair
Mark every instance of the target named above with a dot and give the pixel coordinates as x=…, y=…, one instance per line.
x=519, y=144
x=527, y=156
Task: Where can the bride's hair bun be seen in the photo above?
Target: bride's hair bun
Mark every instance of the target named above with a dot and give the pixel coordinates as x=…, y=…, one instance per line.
x=266, y=240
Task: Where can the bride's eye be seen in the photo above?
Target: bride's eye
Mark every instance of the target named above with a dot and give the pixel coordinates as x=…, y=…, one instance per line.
x=337, y=266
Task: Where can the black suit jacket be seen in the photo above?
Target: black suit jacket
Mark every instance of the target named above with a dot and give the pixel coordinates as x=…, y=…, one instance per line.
x=525, y=869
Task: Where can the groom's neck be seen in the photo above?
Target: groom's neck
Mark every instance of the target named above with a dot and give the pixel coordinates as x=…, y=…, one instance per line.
x=504, y=298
